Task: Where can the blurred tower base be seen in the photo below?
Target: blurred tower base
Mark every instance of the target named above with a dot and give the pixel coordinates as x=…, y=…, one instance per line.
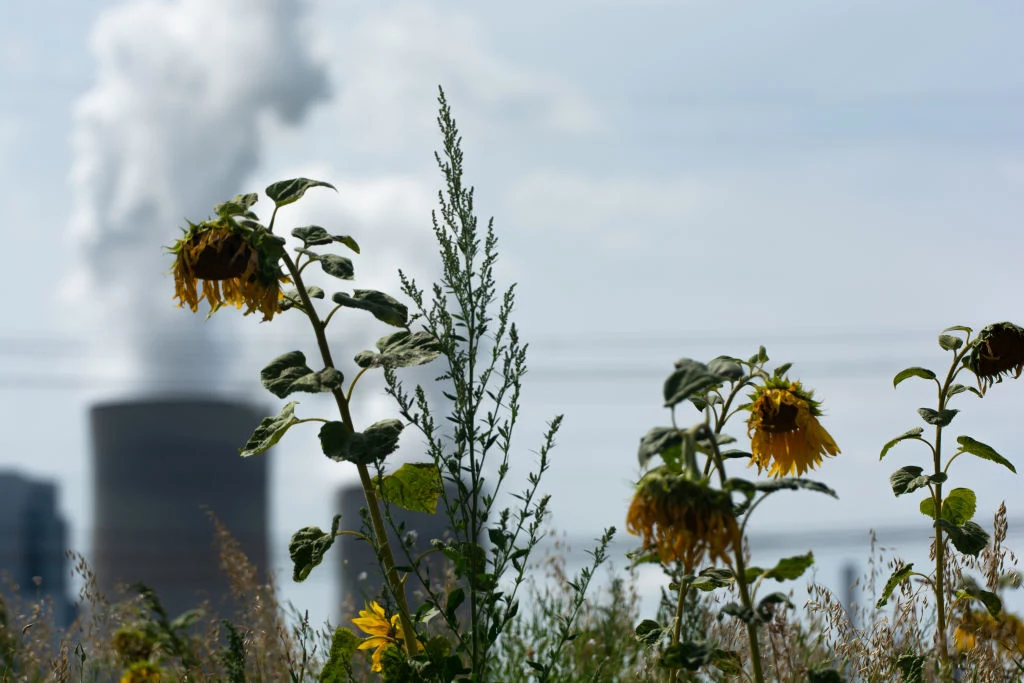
x=158, y=466
x=33, y=540
x=360, y=575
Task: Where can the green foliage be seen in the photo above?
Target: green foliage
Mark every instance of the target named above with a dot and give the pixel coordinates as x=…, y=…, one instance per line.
x=914, y=434
x=413, y=486
x=289, y=373
x=923, y=373
x=401, y=350
x=787, y=569
x=382, y=306
x=338, y=668
x=308, y=546
x=983, y=451
x=901, y=574
x=270, y=431
x=285, y=192
x=379, y=440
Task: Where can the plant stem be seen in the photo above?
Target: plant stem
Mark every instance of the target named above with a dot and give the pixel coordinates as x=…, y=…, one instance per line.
x=684, y=588
x=383, y=545
x=741, y=571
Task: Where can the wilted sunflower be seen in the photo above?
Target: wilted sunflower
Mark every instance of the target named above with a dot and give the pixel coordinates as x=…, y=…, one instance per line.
x=141, y=672
x=237, y=266
x=997, y=351
x=1007, y=631
x=786, y=437
x=383, y=633
x=683, y=519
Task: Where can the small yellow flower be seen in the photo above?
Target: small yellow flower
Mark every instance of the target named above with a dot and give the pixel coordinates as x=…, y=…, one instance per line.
x=997, y=351
x=383, y=633
x=786, y=437
x=236, y=265
x=682, y=519
x=142, y=672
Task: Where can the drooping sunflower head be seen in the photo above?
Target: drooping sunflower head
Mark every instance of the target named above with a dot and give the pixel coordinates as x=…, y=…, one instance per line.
x=683, y=519
x=973, y=627
x=997, y=351
x=786, y=437
x=226, y=263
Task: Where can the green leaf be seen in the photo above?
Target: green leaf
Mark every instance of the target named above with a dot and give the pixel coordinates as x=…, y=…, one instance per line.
x=339, y=663
x=689, y=655
x=378, y=441
x=950, y=343
x=927, y=507
x=914, y=433
x=726, y=661
x=793, y=483
x=959, y=506
x=289, y=373
x=649, y=632
x=382, y=306
x=657, y=441
x=455, y=598
x=725, y=367
x=238, y=206
x=764, y=605
x=337, y=266
x=291, y=297
x=969, y=538
x=690, y=379
x=401, y=350
x=314, y=235
x=270, y=431
x=940, y=418
x=969, y=588
x=285, y=192
x=711, y=578
x=911, y=667
x=413, y=486
x=823, y=676
x=983, y=451
x=787, y=569
x=959, y=328
x=907, y=479
x=308, y=546
x=923, y=373
x=901, y=574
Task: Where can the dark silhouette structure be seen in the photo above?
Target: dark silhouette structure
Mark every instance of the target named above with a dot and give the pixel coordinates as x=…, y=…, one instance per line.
x=159, y=465
x=33, y=540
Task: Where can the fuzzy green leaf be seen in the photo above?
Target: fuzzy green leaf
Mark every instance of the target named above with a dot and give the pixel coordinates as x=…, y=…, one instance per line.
x=308, y=546
x=969, y=538
x=413, y=486
x=270, y=431
x=914, y=433
x=907, y=479
x=725, y=367
x=378, y=441
x=983, y=451
x=969, y=588
x=649, y=632
x=923, y=373
x=289, y=373
x=657, y=441
x=899, y=576
x=689, y=655
x=911, y=667
x=291, y=297
x=285, y=192
x=959, y=506
x=400, y=350
x=793, y=483
x=949, y=342
x=337, y=266
x=939, y=418
x=382, y=306
x=690, y=378
x=711, y=578
x=787, y=569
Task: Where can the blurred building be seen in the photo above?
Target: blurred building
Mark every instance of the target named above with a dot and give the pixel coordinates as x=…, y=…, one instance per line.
x=158, y=466
x=33, y=540
x=360, y=576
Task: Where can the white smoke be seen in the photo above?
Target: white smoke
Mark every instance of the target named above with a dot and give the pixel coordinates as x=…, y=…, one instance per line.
x=170, y=128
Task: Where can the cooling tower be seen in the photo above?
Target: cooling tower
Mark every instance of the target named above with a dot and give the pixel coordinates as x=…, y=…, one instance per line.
x=158, y=465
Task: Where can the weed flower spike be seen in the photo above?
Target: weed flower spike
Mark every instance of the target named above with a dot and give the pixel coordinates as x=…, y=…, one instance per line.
x=786, y=437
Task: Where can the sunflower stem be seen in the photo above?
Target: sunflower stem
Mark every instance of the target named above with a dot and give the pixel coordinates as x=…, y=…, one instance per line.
x=684, y=588
x=382, y=543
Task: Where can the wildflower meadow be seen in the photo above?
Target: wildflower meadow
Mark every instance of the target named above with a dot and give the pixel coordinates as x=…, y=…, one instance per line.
x=482, y=603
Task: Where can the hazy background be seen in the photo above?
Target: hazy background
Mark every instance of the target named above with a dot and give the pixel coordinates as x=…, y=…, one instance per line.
x=836, y=181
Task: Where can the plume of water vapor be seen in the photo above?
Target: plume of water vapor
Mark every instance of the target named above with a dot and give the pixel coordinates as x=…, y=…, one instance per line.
x=170, y=128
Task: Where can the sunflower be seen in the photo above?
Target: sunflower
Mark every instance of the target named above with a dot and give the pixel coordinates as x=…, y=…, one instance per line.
x=786, y=437
x=237, y=266
x=1007, y=631
x=383, y=633
x=682, y=518
x=997, y=351
x=142, y=672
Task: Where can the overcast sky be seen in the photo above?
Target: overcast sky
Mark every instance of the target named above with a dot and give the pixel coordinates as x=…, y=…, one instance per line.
x=838, y=181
